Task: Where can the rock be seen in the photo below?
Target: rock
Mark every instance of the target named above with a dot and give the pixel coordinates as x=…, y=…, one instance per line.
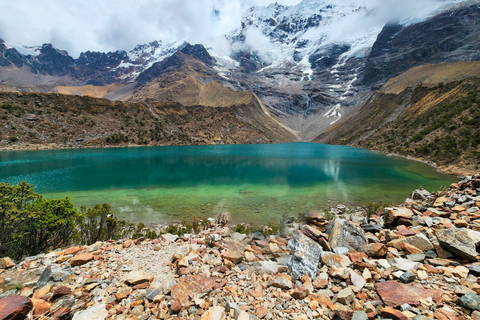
x=6, y=263
x=345, y=296
x=305, y=256
x=345, y=234
x=81, y=259
x=214, y=313
x=249, y=256
x=470, y=301
x=419, y=241
x=420, y=194
x=314, y=215
x=357, y=280
x=422, y=275
x=390, y=313
x=475, y=315
x=395, y=294
x=474, y=269
x=321, y=281
x=169, y=237
x=95, y=312
x=440, y=201
x=445, y=314
x=243, y=315
x=375, y=250
x=373, y=228
x=176, y=305
x=54, y=273
x=337, y=260
x=360, y=315
x=61, y=292
x=282, y=281
x=459, y=242
x=189, y=286
x=403, y=264
x=407, y=277
x=232, y=255
x=392, y=215
x=261, y=312
x=15, y=307
x=137, y=277
x=40, y=306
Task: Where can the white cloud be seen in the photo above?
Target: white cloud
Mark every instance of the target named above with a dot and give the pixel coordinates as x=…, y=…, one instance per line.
x=109, y=25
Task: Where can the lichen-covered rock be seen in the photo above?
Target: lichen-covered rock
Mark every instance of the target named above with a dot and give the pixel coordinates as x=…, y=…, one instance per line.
x=459, y=242
x=305, y=256
x=343, y=233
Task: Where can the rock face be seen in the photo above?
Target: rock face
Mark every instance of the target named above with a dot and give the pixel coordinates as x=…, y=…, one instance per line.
x=459, y=242
x=345, y=234
x=15, y=307
x=305, y=256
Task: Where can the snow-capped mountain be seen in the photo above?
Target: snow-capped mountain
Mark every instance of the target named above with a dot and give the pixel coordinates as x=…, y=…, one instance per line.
x=309, y=63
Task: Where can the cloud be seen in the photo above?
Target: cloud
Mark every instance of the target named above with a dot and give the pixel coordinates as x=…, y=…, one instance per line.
x=110, y=25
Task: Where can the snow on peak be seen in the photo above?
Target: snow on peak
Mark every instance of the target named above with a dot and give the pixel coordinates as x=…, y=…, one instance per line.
x=25, y=50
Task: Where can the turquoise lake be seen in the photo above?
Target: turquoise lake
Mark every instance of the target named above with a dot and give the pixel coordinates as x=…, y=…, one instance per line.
x=255, y=183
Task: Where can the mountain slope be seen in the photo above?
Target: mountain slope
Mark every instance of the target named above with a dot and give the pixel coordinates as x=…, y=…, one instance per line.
x=438, y=123
x=33, y=120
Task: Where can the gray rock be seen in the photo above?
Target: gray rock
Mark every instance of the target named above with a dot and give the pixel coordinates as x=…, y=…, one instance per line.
x=152, y=293
x=54, y=273
x=417, y=257
x=360, y=315
x=418, y=221
x=345, y=296
x=459, y=242
x=474, y=269
x=373, y=228
x=470, y=301
x=345, y=234
x=403, y=264
x=341, y=250
x=420, y=194
x=305, y=256
x=420, y=241
x=95, y=312
x=407, y=277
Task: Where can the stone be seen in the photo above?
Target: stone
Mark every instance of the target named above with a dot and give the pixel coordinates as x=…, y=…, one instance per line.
x=282, y=281
x=261, y=312
x=394, y=294
x=189, y=286
x=360, y=315
x=390, y=313
x=475, y=315
x=345, y=296
x=419, y=241
x=357, y=280
x=440, y=201
x=373, y=228
x=420, y=194
x=458, y=242
x=392, y=215
x=61, y=292
x=313, y=215
x=422, y=275
x=170, y=237
x=81, y=259
x=470, y=301
x=40, y=306
x=249, y=256
x=176, y=305
x=403, y=264
x=407, y=277
x=232, y=255
x=321, y=281
x=445, y=314
x=243, y=315
x=375, y=250
x=95, y=312
x=15, y=307
x=337, y=260
x=6, y=263
x=54, y=273
x=214, y=313
x=136, y=277
x=474, y=269
x=343, y=233
x=305, y=256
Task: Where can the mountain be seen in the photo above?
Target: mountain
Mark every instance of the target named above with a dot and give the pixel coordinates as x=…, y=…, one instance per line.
x=431, y=112
x=306, y=68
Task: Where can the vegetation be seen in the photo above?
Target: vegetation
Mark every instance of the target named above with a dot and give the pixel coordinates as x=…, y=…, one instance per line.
x=30, y=224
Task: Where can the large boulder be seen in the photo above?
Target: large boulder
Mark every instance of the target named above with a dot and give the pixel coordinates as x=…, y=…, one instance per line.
x=345, y=234
x=305, y=256
x=461, y=242
x=15, y=307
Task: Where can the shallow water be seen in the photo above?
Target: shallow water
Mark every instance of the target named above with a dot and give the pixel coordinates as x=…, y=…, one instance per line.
x=255, y=183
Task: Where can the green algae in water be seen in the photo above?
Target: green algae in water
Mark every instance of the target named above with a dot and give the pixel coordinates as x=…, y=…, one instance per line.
x=255, y=183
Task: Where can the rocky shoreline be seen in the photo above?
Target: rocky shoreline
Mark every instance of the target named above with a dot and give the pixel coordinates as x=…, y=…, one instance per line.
x=415, y=261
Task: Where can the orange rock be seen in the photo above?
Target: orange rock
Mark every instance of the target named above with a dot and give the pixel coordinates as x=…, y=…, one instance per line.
x=389, y=312
x=40, y=306
x=395, y=294
x=357, y=256
x=375, y=250
x=81, y=259
x=15, y=307
x=188, y=286
x=444, y=314
x=410, y=248
x=261, y=312
x=72, y=250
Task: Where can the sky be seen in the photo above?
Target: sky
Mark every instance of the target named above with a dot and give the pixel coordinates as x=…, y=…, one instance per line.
x=109, y=25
